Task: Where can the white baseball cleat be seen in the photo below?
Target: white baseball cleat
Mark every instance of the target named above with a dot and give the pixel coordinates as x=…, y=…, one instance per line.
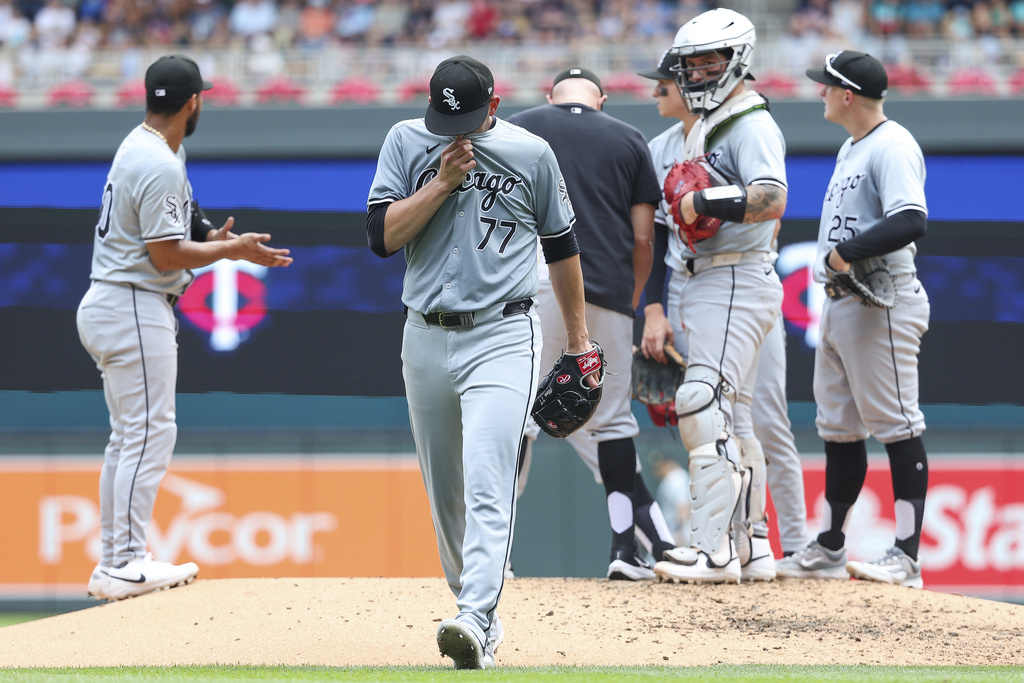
x=146, y=575
x=896, y=568
x=689, y=565
x=99, y=582
x=813, y=562
x=757, y=562
x=456, y=640
x=494, y=639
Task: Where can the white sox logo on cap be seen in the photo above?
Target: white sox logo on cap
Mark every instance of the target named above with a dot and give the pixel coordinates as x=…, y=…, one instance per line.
x=449, y=99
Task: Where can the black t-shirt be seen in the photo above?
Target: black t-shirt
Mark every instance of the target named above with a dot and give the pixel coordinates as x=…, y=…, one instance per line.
x=607, y=169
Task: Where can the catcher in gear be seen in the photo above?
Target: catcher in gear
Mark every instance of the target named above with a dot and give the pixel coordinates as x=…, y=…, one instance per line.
x=724, y=292
x=565, y=401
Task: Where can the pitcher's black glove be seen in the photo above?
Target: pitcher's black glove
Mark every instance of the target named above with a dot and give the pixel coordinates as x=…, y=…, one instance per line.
x=564, y=400
x=869, y=280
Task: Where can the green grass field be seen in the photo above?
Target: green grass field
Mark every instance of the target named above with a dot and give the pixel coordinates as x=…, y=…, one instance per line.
x=718, y=674
x=554, y=674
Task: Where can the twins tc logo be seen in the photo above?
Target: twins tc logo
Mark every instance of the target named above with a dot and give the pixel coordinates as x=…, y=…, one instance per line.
x=227, y=300
x=449, y=99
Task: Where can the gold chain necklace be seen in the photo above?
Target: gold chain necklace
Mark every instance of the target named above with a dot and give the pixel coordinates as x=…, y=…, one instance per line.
x=155, y=132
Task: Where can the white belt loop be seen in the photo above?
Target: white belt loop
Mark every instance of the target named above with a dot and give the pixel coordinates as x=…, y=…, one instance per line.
x=730, y=258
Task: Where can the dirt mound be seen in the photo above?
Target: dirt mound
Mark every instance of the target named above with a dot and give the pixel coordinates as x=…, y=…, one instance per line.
x=363, y=621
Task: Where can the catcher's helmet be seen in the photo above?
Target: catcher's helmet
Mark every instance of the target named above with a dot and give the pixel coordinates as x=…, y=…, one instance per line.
x=721, y=31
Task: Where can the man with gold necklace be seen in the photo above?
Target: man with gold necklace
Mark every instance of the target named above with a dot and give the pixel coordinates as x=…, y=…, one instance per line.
x=149, y=236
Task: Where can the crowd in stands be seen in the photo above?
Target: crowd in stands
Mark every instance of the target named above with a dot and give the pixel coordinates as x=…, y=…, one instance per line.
x=312, y=24
x=986, y=28
x=44, y=41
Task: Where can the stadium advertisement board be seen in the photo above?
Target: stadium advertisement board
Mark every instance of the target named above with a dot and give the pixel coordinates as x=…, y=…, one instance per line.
x=318, y=516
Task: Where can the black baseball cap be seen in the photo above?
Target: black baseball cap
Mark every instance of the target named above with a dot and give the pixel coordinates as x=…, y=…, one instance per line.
x=578, y=72
x=460, y=92
x=663, y=72
x=174, y=77
x=855, y=71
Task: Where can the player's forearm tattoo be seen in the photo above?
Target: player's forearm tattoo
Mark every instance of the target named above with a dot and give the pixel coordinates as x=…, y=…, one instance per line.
x=764, y=203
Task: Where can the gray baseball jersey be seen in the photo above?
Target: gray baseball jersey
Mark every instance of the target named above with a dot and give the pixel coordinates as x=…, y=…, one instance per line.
x=126, y=323
x=480, y=247
x=865, y=366
x=147, y=198
x=470, y=387
x=876, y=177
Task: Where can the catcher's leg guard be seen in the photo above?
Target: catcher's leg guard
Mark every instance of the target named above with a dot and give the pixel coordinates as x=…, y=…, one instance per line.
x=714, y=489
x=754, y=496
x=701, y=421
x=714, y=480
x=750, y=528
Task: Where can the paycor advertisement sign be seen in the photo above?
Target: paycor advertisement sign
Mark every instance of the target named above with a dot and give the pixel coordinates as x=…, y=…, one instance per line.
x=266, y=516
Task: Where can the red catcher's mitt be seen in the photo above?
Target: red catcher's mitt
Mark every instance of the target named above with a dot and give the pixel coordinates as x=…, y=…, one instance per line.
x=689, y=176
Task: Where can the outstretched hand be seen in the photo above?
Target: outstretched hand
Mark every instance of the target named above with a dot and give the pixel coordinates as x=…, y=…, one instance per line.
x=249, y=246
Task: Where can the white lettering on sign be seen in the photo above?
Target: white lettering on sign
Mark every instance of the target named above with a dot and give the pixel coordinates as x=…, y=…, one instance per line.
x=962, y=527
x=211, y=536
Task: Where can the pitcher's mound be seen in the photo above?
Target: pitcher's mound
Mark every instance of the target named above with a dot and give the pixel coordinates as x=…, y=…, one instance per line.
x=378, y=622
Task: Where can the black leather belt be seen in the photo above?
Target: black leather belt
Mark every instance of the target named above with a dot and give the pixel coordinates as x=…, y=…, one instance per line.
x=834, y=291
x=454, y=319
x=172, y=299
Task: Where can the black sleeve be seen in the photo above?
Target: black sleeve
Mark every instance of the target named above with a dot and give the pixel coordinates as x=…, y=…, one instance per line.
x=892, y=233
x=201, y=225
x=561, y=247
x=375, y=228
x=655, y=286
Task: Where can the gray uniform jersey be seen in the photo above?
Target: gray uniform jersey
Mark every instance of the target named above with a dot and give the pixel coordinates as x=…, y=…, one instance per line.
x=749, y=150
x=478, y=250
x=865, y=366
x=147, y=198
x=881, y=174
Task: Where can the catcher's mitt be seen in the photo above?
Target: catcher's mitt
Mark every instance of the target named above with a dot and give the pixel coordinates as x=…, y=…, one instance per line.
x=564, y=400
x=684, y=177
x=655, y=383
x=869, y=280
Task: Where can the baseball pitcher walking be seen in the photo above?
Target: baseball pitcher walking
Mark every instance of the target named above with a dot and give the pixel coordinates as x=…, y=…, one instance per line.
x=467, y=195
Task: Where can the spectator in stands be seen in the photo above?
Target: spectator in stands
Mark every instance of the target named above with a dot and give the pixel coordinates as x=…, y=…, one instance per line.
x=208, y=23
x=390, y=23
x=1017, y=17
x=316, y=25
x=450, y=21
x=885, y=18
x=923, y=18
x=847, y=20
x=483, y=19
x=250, y=18
x=54, y=25
x=15, y=27
x=355, y=19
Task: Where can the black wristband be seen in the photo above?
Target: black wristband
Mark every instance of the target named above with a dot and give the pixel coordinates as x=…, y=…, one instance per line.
x=201, y=225
x=728, y=202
